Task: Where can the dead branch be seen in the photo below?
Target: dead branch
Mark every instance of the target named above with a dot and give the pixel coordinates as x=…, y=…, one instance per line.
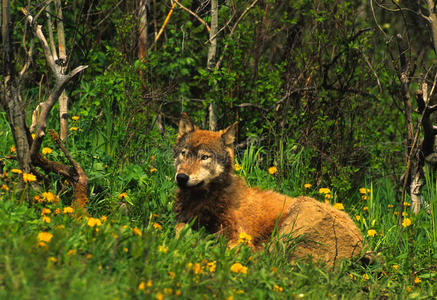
x=80, y=187
x=194, y=14
x=217, y=66
x=165, y=22
x=61, y=81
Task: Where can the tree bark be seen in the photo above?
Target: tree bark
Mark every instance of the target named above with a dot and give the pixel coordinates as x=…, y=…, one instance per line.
x=10, y=100
x=212, y=51
x=62, y=62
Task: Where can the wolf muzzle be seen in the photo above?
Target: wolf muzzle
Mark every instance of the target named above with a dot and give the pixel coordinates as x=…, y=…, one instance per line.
x=182, y=179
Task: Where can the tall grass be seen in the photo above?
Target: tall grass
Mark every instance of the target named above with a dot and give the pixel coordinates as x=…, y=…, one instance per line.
x=134, y=252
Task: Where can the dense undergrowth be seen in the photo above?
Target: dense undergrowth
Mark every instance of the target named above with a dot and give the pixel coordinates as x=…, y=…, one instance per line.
x=127, y=248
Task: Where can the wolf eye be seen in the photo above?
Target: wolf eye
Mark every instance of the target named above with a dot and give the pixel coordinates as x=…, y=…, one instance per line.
x=204, y=157
x=183, y=152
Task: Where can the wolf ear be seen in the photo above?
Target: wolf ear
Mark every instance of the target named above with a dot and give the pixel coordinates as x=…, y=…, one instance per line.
x=185, y=125
x=228, y=134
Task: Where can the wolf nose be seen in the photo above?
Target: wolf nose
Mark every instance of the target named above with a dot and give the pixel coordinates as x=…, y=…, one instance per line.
x=182, y=179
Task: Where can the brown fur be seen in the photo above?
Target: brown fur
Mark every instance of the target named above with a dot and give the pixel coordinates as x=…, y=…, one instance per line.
x=222, y=202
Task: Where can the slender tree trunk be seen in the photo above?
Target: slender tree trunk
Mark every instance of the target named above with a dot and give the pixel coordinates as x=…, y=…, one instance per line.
x=62, y=61
x=10, y=99
x=142, y=36
x=212, y=52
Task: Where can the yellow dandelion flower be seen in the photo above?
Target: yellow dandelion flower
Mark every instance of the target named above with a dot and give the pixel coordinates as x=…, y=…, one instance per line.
x=73, y=128
x=273, y=170
x=137, y=231
x=50, y=197
x=33, y=136
x=42, y=244
x=277, y=288
x=396, y=267
x=408, y=289
x=53, y=259
x=363, y=190
x=365, y=277
x=211, y=266
x=57, y=211
x=16, y=171
x=395, y=213
x=89, y=256
x=178, y=293
x=94, y=222
x=60, y=227
x=75, y=118
x=5, y=188
x=390, y=206
x=29, y=177
x=357, y=217
x=237, y=167
x=126, y=250
x=168, y=291
x=238, y=268
x=152, y=158
x=417, y=280
x=162, y=249
x=122, y=196
x=404, y=214
x=103, y=218
x=45, y=211
x=46, y=150
x=149, y=283
x=68, y=210
x=45, y=237
x=363, y=197
x=365, y=208
x=172, y=274
x=71, y=252
x=153, y=170
x=307, y=185
x=46, y=219
x=324, y=191
x=142, y=286
x=197, y=268
x=407, y=204
x=157, y=226
x=244, y=238
x=12, y=149
x=371, y=232
x=338, y=206
x=159, y=296
x=407, y=222
x=352, y=276
x=328, y=196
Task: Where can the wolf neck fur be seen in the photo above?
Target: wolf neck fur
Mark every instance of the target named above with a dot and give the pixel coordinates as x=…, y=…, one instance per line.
x=209, y=206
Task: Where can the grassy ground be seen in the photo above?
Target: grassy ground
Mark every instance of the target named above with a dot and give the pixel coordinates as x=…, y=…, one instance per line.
x=128, y=248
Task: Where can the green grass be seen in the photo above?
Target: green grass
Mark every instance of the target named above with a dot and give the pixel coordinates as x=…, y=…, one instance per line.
x=134, y=252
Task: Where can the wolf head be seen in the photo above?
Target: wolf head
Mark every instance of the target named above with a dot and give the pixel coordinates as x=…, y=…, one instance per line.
x=202, y=157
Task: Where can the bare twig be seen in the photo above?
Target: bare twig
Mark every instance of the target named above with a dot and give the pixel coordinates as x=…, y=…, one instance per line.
x=217, y=66
x=194, y=14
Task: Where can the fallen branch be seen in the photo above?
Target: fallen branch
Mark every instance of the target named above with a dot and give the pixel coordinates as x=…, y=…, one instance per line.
x=80, y=187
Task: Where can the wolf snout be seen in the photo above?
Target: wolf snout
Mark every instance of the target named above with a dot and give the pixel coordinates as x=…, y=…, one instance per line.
x=182, y=179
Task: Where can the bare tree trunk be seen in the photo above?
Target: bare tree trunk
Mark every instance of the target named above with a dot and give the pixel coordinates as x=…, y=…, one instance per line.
x=142, y=36
x=212, y=51
x=62, y=62
x=10, y=99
